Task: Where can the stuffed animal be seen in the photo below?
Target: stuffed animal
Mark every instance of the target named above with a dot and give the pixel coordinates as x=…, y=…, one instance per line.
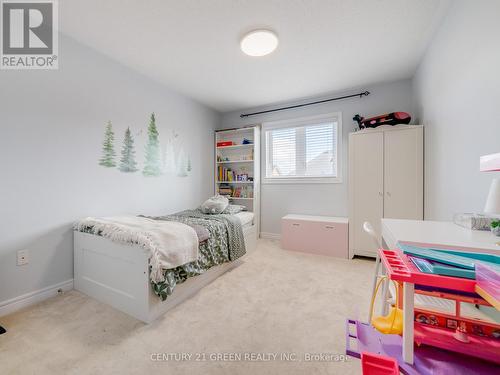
x=215, y=205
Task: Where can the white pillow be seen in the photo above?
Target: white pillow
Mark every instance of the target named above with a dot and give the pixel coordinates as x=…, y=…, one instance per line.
x=233, y=209
x=214, y=205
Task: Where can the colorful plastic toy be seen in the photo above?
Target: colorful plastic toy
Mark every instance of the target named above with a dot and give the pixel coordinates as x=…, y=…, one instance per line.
x=430, y=266
x=461, y=337
x=458, y=341
x=459, y=260
x=393, y=322
x=401, y=269
x=362, y=337
x=438, y=334
x=374, y=364
x=454, y=322
x=488, y=283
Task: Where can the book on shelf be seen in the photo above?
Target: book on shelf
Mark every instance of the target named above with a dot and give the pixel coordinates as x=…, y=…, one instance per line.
x=242, y=192
x=236, y=192
x=225, y=190
x=227, y=174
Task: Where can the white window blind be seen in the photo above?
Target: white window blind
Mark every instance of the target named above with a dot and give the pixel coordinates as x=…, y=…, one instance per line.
x=302, y=150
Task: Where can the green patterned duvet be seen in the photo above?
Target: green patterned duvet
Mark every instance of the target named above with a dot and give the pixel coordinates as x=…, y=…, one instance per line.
x=225, y=244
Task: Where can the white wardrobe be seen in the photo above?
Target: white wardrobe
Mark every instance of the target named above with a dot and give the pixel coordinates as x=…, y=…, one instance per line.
x=385, y=180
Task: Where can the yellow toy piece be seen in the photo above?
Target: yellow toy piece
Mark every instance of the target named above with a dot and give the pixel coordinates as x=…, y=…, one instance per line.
x=488, y=297
x=393, y=322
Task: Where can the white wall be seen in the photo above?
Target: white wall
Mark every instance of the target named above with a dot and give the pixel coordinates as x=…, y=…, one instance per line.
x=278, y=200
x=457, y=91
x=52, y=126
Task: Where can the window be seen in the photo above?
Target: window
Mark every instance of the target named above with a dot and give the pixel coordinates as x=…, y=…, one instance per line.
x=303, y=150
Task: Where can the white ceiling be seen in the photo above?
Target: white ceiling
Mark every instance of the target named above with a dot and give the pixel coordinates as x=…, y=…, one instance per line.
x=193, y=45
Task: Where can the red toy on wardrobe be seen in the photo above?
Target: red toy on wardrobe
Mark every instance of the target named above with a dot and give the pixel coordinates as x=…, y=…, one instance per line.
x=392, y=118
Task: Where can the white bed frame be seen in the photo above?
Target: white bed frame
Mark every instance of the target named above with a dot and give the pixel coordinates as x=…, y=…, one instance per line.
x=118, y=275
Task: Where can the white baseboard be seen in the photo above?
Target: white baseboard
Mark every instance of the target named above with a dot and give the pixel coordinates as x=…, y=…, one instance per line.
x=11, y=305
x=270, y=236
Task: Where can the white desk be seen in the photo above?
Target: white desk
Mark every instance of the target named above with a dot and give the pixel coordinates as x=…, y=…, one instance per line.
x=437, y=234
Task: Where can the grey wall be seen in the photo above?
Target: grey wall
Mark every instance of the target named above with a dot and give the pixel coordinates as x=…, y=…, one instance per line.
x=278, y=200
x=52, y=126
x=457, y=92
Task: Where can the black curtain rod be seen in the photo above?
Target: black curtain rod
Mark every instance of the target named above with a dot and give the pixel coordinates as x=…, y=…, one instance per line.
x=361, y=94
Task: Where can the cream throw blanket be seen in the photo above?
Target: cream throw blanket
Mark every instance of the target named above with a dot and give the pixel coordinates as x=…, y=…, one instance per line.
x=171, y=244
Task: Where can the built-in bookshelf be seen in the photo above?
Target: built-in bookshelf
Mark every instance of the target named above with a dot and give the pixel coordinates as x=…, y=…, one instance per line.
x=237, y=166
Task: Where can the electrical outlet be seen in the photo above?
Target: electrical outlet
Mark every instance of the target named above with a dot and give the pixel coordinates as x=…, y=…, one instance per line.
x=23, y=257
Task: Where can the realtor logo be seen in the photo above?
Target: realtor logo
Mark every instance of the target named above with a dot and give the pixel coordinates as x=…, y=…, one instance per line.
x=29, y=34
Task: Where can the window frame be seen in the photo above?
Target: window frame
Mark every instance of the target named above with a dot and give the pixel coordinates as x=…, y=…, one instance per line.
x=296, y=122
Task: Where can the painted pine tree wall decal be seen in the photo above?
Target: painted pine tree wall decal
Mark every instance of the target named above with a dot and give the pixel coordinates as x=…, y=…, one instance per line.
x=127, y=161
x=181, y=164
x=108, y=150
x=152, y=165
x=163, y=153
x=169, y=158
x=189, y=164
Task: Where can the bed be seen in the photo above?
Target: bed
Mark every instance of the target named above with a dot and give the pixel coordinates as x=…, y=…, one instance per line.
x=119, y=274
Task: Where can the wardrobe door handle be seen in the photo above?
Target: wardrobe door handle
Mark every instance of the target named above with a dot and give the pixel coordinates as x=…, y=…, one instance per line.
x=380, y=193
x=388, y=193
x=329, y=227
x=296, y=224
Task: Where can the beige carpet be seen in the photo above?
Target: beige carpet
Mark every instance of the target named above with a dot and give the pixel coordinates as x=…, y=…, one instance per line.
x=276, y=302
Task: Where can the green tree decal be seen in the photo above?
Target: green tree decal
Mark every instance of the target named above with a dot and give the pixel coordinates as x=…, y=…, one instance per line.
x=181, y=164
x=127, y=161
x=189, y=164
x=168, y=160
x=152, y=165
x=108, y=150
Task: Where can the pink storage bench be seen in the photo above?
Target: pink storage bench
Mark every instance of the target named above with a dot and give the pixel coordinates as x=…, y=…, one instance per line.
x=322, y=235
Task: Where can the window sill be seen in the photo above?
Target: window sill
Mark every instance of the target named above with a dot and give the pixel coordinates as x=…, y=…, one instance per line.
x=297, y=181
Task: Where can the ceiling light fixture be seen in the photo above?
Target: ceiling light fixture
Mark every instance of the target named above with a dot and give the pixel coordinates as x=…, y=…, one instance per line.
x=259, y=43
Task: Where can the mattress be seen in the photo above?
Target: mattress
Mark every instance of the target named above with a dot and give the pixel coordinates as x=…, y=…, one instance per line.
x=246, y=218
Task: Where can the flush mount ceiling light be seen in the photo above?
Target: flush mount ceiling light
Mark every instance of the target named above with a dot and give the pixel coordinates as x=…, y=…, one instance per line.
x=259, y=43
